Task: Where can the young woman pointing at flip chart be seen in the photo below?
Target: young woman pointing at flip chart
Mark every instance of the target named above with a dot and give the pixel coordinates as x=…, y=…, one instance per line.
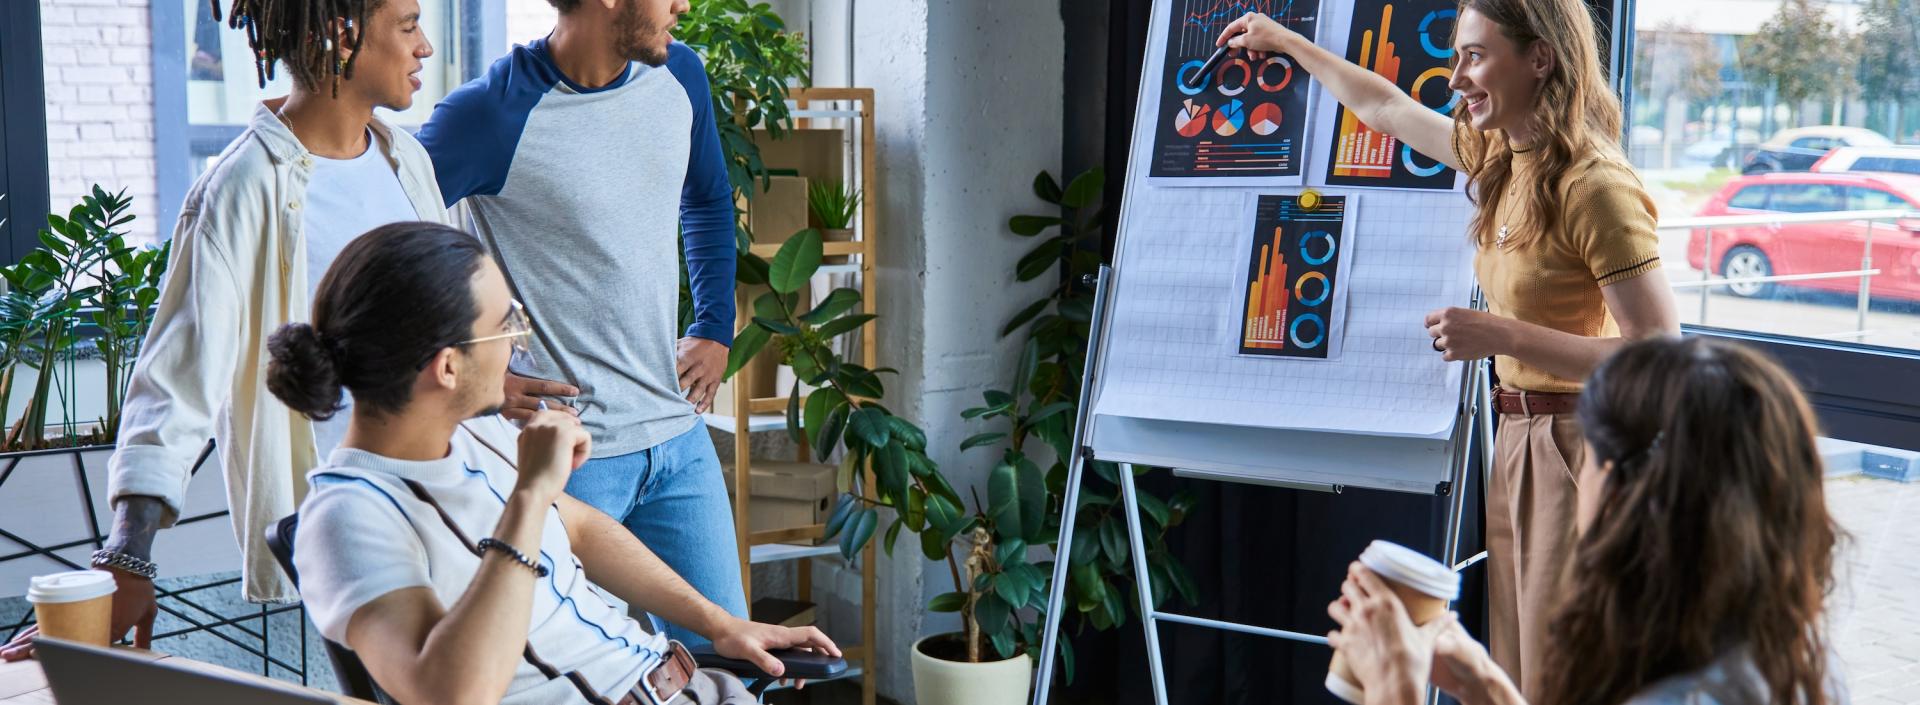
x=1565, y=244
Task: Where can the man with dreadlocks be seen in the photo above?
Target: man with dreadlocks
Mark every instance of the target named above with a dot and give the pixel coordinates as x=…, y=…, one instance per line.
x=581, y=156
x=313, y=170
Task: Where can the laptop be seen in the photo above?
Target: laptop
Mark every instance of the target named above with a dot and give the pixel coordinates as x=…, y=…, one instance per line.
x=82, y=674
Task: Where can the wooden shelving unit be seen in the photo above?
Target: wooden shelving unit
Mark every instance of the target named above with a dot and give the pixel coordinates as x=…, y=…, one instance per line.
x=851, y=111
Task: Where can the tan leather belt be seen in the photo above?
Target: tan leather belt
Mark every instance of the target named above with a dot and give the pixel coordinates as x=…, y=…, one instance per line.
x=667, y=679
x=1525, y=403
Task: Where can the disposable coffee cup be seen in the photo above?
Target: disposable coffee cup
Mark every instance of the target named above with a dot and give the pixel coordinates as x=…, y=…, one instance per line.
x=76, y=606
x=1424, y=586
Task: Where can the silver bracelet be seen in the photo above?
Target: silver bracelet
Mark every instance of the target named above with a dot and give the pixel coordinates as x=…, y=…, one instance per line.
x=129, y=564
x=493, y=544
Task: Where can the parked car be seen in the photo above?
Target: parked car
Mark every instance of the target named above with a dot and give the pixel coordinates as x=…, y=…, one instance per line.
x=1898, y=159
x=1796, y=149
x=1749, y=251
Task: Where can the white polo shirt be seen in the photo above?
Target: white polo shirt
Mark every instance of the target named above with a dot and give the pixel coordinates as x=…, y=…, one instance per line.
x=371, y=525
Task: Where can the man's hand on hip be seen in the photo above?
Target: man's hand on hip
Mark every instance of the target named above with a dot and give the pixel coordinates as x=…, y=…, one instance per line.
x=701, y=363
x=524, y=396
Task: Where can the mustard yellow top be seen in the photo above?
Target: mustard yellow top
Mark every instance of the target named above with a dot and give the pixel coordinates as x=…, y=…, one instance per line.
x=1604, y=235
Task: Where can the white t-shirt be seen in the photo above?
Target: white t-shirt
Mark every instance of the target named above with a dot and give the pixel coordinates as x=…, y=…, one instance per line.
x=365, y=532
x=345, y=199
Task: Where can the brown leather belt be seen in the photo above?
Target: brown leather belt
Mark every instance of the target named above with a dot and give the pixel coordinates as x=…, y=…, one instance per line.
x=1525, y=403
x=667, y=678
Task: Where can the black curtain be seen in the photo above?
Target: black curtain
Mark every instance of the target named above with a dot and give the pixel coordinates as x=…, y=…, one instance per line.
x=1261, y=555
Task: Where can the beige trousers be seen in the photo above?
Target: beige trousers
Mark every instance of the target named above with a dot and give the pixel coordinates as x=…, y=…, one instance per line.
x=1530, y=533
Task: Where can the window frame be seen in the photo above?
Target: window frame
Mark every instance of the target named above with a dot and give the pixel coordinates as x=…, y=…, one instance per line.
x=1865, y=394
x=23, y=129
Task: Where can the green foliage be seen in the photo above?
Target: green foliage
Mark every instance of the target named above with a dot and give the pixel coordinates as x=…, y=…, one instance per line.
x=1889, y=49
x=833, y=204
x=84, y=275
x=1806, y=54
x=751, y=60
x=1034, y=418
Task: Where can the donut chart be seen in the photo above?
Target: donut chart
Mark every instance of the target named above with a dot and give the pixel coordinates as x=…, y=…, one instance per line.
x=1266, y=119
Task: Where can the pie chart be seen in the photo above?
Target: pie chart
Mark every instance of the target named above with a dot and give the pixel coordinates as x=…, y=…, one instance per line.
x=1192, y=118
x=1266, y=119
x=1231, y=117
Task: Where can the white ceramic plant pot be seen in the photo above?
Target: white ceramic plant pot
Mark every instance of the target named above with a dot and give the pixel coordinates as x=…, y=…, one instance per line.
x=942, y=682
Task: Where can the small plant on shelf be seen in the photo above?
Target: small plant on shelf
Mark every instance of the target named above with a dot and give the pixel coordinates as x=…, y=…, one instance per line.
x=833, y=204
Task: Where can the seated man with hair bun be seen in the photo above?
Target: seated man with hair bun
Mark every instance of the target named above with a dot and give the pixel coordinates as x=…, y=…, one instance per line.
x=437, y=542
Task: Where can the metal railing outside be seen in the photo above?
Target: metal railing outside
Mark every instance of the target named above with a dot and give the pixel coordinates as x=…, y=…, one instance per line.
x=1866, y=272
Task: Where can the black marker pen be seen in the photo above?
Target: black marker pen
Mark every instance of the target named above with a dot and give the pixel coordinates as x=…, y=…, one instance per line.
x=1199, y=77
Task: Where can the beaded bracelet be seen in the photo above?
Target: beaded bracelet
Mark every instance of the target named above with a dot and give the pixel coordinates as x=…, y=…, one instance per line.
x=539, y=571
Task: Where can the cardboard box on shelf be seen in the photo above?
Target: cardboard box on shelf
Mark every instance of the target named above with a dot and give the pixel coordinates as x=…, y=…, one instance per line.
x=787, y=495
x=778, y=210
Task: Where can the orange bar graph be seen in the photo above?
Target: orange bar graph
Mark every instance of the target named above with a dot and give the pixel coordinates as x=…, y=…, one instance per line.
x=1265, y=324
x=1361, y=150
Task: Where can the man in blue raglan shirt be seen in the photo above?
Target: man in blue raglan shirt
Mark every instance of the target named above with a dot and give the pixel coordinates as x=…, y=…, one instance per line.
x=580, y=156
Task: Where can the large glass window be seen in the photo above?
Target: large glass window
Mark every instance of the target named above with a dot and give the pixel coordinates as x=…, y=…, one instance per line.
x=1734, y=106
x=1737, y=108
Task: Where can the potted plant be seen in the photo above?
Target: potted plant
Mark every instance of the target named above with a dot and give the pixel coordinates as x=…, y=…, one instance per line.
x=82, y=300
x=1000, y=591
x=833, y=207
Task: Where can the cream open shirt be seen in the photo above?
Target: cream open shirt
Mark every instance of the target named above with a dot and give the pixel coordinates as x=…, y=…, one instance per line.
x=238, y=273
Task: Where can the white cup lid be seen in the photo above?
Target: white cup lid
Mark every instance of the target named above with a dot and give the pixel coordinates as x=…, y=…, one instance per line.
x=73, y=586
x=1411, y=568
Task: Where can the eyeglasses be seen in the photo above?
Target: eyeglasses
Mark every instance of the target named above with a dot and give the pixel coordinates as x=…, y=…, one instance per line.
x=518, y=330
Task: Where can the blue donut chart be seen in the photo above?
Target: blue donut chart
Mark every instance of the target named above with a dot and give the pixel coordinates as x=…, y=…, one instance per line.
x=1308, y=256
x=1300, y=287
x=1320, y=336
x=1426, y=36
x=1406, y=160
x=1180, y=77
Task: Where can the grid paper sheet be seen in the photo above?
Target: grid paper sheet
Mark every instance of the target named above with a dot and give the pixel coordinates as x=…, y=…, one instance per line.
x=1168, y=350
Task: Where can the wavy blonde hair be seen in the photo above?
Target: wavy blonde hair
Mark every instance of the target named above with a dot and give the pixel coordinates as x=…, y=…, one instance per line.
x=1575, y=116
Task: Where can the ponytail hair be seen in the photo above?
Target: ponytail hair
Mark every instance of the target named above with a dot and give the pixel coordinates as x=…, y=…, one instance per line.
x=393, y=299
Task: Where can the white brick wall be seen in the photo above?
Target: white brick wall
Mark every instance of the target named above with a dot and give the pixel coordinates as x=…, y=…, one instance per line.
x=528, y=20
x=99, y=74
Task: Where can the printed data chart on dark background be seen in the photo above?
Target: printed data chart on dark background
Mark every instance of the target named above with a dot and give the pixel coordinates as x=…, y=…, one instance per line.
x=1245, y=118
x=1409, y=42
x=1292, y=269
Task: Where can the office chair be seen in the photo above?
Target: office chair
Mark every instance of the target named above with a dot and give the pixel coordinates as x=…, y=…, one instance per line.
x=356, y=682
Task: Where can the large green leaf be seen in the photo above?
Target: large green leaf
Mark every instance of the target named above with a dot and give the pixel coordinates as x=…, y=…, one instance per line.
x=869, y=424
x=1046, y=188
x=795, y=263
x=1153, y=508
x=991, y=611
x=819, y=404
x=746, y=344
x=1025, y=315
x=980, y=439
x=1113, y=540
x=837, y=302
x=1012, y=587
x=943, y=515
x=1085, y=189
x=775, y=325
x=795, y=430
x=1032, y=500
x=844, y=324
x=830, y=432
x=947, y=602
x=1040, y=260
x=1030, y=225
x=841, y=511
x=751, y=269
x=859, y=531
x=890, y=466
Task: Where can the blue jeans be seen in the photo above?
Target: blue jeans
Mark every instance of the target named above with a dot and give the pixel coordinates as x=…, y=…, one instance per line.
x=672, y=498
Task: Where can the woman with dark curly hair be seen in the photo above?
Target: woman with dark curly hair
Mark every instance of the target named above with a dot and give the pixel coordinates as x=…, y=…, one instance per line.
x=1703, y=560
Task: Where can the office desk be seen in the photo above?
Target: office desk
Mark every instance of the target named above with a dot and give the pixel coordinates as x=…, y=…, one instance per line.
x=23, y=683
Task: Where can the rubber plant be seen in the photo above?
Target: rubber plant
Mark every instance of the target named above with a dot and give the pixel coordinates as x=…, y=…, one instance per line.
x=1033, y=421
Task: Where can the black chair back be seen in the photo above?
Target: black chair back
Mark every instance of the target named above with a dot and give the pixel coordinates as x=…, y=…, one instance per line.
x=353, y=676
